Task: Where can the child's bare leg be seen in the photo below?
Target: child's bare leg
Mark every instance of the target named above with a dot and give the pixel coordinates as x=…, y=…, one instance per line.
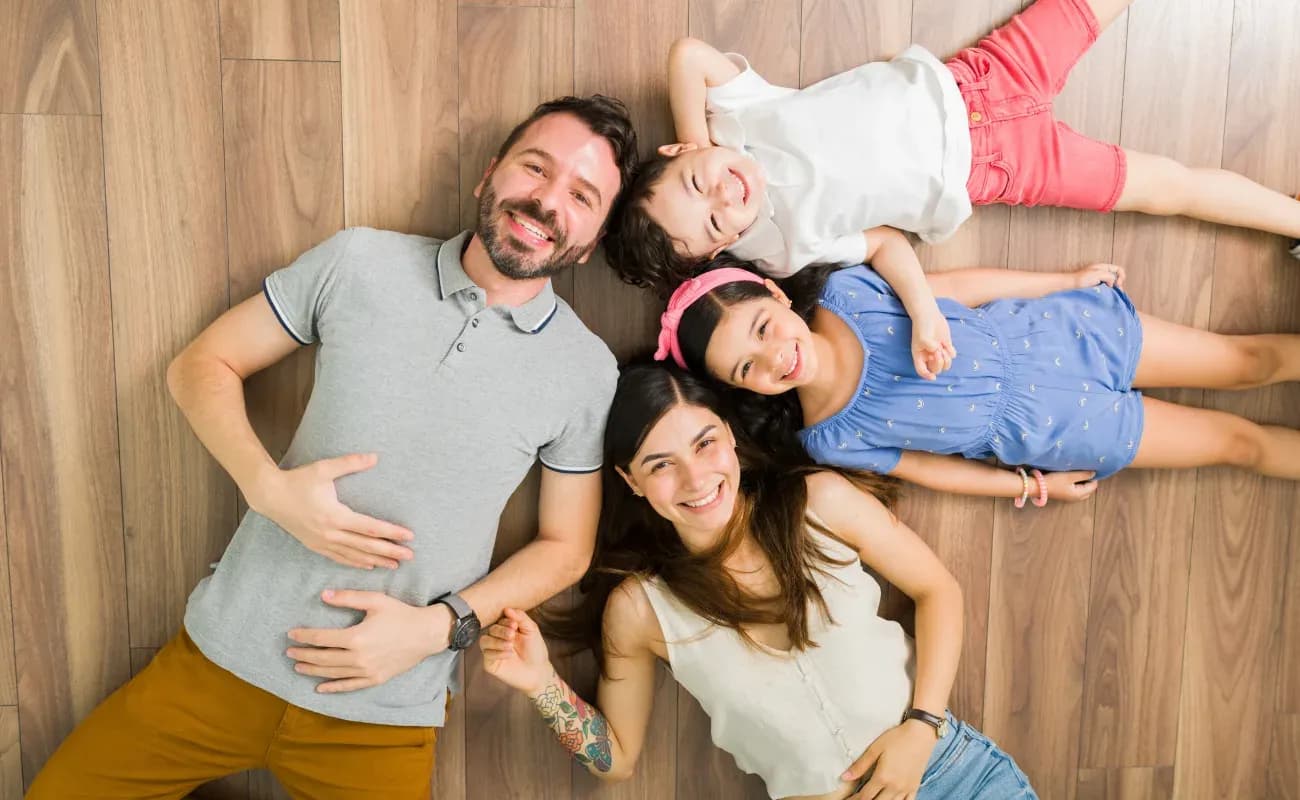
x=1181, y=357
x=1162, y=186
x=1107, y=10
x=1176, y=437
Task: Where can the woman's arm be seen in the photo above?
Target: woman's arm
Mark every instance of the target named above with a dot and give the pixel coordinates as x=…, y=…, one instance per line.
x=607, y=740
x=957, y=475
x=693, y=68
x=977, y=286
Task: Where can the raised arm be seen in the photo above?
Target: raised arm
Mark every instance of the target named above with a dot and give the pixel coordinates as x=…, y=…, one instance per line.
x=608, y=739
x=977, y=286
x=693, y=68
x=957, y=475
x=891, y=255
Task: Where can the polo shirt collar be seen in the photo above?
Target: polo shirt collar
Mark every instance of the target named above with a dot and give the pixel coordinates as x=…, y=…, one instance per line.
x=530, y=317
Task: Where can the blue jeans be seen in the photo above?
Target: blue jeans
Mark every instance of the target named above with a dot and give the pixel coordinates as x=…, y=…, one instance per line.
x=967, y=765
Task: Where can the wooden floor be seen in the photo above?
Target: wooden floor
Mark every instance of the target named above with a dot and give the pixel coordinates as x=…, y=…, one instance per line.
x=158, y=157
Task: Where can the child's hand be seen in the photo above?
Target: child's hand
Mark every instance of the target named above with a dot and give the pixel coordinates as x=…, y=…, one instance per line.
x=932, y=350
x=1093, y=274
x=1070, y=487
x=515, y=653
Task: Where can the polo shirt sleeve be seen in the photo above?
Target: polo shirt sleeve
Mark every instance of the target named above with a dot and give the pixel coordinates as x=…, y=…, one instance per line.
x=299, y=293
x=745, y=89
x=580, y=445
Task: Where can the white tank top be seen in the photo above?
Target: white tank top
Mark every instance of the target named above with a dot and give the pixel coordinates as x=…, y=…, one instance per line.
x=796, y=719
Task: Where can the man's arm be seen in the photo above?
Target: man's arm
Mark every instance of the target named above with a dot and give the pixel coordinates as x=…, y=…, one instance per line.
x=207, y=382
x=568, y=511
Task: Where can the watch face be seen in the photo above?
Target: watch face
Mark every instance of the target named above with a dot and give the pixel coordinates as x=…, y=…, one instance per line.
x=465, y=633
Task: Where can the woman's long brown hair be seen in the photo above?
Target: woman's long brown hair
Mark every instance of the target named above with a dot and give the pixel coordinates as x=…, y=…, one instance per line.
x=771, y=507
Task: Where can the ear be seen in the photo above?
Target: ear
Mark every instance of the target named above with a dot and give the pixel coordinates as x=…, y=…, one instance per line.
x=486, y=173
x=677, y=148
x=734, y=238
x=629, y=480
x=780, y=296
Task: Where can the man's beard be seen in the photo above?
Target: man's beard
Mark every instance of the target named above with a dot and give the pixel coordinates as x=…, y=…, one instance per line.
x=511, y=258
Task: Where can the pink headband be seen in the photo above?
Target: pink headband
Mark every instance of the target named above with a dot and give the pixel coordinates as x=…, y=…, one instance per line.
x=683, y=297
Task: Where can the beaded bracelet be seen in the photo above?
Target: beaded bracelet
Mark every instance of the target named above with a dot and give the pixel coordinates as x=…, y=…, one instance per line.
x=1041, y=500
x=1024, y=481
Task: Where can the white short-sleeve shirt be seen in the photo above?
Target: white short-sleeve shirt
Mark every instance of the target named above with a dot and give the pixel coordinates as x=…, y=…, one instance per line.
x=886, y=143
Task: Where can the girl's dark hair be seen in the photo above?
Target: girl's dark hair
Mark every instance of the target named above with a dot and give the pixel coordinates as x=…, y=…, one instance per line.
x=634, y=540
x=637, y=247
x=772, y=421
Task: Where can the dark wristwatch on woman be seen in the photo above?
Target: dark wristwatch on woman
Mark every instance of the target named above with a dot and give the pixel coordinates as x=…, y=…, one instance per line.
x=940, y=724
x=465, y=626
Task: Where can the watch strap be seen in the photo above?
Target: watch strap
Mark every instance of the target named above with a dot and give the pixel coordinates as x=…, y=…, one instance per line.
x=457, y=605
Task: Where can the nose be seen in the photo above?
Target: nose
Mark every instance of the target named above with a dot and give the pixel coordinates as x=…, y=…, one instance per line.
x=696, y=474
x=774, y=358
x=549, y=194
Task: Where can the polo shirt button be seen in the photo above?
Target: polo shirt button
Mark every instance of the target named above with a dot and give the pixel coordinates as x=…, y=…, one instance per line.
x=473, y=323
x=976, y=116
x=474, y=295
x=460, y=347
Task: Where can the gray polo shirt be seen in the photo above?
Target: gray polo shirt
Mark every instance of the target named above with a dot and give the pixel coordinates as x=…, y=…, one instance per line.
x=458, y=399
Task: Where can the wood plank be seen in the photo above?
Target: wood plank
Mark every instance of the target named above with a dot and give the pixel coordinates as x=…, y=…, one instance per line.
x=48, y=57
x=657, y=768
x=510, y=60
x=766, y=32
x=162, y=158
x=399, y=115
x=62, y=492
x=1239, y=550
x=449, y=775
x=1284, y=765
x=704, y=770
x=1132, y=783
x=517, y=3
x=284, y=194
x=11, y=767
x=621, y=50
x=304, y=30
x=8, y=672
x=838, y=35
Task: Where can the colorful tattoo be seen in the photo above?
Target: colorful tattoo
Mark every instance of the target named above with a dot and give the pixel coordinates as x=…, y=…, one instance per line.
x=579, y=726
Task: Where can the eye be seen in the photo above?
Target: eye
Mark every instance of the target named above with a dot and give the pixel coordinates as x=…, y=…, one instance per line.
x=696, y=184
x=536, y=169
x=744, y=371
x=705, y=443
x=658, y=466
x=762, y=329
x=582, y=198
x=713, y=220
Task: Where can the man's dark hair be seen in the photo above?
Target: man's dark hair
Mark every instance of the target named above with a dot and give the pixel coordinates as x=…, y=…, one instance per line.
x=607, y=117
x=637, y=247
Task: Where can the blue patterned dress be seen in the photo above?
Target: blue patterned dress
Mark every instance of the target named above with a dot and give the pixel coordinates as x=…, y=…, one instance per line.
x=1043, y=383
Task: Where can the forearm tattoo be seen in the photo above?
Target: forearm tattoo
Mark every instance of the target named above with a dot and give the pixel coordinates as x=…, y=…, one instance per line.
x=579, y=726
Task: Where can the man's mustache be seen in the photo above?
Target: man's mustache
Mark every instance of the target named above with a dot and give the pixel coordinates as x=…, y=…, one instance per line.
x=533, y=209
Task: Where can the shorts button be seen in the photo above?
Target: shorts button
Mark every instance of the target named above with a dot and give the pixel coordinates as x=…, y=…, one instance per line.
x=976, y=116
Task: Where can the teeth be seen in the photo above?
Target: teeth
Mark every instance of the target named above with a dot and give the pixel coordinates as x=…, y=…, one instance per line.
x=704, y=501
x=533, y=229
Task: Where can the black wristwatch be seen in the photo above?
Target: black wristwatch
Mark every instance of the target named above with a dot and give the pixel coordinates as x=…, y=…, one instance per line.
x=940, y=724
x=465, y=626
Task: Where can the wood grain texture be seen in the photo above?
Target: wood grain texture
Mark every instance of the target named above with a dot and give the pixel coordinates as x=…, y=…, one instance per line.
x=399, y=115
x=63, y=505
x=8, y=671
x=516, y=3
x=164, y=183
x=11, y=767
x=1132, y=783
x=657, y=769
x=284, y=194
x=1284, y=763
x=49, y=62
x=838, y=35
x=303, y=30
x=766, y=32
x=449, y=775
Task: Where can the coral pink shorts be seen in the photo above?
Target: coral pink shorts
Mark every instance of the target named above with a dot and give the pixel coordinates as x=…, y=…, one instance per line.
x=1020, y=154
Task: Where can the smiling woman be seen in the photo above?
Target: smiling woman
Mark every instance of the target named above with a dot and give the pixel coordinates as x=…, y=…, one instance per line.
x=743, y=575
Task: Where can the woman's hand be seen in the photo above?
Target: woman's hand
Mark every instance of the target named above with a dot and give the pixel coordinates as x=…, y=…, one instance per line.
x=899, y=756
x=1093, y=274
x=514, y=652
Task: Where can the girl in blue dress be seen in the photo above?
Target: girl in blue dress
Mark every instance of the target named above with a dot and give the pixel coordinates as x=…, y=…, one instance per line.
x=1046, y=378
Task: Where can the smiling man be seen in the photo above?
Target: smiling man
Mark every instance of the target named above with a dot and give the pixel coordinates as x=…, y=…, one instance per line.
x=324, y=645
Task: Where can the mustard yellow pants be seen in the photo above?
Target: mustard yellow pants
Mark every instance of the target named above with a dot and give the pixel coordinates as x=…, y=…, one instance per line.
x=184, y=721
